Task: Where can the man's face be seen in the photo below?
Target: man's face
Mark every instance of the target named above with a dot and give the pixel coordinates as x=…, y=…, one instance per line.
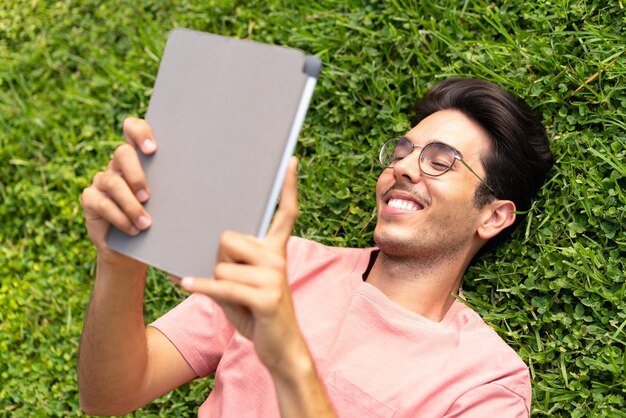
x=434, y=217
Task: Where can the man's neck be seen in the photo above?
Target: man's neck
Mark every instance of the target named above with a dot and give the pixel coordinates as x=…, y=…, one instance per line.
x=425, y=288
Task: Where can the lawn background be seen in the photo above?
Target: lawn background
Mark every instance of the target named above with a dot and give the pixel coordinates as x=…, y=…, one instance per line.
x=70, y=71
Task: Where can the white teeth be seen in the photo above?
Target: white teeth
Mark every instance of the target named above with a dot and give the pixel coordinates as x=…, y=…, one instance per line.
x=402, y=204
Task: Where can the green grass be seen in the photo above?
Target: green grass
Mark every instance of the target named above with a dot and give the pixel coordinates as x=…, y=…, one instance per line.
x=70, y=71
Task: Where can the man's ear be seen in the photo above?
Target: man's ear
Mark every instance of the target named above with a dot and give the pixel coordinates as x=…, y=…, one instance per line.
x=497, y=215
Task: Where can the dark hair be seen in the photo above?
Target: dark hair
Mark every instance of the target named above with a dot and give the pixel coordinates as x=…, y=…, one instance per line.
x=520, y=156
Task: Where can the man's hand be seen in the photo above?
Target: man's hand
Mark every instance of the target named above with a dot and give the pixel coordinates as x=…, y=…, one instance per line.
x=250, y=284
x=116, y=195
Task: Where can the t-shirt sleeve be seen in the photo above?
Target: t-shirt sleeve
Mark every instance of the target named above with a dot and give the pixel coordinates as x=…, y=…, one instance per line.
x=199, y=330
x=490, y=400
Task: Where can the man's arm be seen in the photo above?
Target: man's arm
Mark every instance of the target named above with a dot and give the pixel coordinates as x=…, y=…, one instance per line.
x=250, y=284
x=300, y=391
x=122, y=365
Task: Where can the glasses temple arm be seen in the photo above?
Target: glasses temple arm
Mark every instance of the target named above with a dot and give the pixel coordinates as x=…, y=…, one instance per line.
x=477, y=176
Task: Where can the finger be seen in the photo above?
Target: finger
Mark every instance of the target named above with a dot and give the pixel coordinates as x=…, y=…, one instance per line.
x=229, y=292
x=98, y=205
x=287, y=213
x=138, y=132
x=252, y=276
x=126, y=163
x=119, y=193
x=239, y=248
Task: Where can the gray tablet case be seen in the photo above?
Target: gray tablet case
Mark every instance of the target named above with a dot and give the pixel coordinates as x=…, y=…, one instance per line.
x=226, y=114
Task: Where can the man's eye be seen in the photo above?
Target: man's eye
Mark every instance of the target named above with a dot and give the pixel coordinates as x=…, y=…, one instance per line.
x=439, y=165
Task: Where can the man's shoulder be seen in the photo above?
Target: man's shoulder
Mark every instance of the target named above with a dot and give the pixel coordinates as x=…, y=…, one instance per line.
x=471, y=323
x=310, y=259
x=307, y=248
x=487, y=351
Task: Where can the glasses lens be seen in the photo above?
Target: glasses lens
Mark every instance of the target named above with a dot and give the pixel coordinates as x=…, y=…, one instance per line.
x=395, y=150
x=437, y=158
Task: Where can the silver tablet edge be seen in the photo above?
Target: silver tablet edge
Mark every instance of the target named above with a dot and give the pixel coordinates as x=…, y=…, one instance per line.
x=298, y=121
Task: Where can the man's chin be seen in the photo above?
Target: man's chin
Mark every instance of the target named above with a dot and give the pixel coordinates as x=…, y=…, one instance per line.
x=393, y=244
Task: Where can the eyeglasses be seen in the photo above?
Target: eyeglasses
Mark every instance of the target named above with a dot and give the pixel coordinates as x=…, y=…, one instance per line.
x=435, y=158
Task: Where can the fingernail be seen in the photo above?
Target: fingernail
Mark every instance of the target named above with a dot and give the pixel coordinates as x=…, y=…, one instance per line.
x=133, y=230
x=143, y=222
x=142, y=195
x=148, y=145
x=187, y=283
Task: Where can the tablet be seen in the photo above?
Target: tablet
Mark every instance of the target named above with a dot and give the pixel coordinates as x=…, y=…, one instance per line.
x=226, y=114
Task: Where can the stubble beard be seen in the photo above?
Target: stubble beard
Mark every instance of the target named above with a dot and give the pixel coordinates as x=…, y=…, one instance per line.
x=426, y=249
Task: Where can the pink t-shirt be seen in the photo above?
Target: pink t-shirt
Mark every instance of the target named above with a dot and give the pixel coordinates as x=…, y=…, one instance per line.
x=376, y=358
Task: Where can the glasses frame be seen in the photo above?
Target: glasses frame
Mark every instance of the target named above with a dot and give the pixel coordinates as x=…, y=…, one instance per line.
x=457, y=157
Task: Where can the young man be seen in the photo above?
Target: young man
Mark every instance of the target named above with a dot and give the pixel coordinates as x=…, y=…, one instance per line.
x=294, y=328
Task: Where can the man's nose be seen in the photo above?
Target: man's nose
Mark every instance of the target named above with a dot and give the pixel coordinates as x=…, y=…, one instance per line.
x=408, y=168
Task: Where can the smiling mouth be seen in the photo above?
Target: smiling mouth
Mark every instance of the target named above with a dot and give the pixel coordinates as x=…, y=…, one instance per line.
x=399, y=199
x=402, y=204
